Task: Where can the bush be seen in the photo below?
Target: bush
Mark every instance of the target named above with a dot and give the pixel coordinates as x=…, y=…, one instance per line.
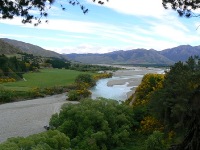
x=155, y=141
x=50, y=140
x=6, y=96
x=95, y=124
x=85, y=79
x=73, y=95
x=76, y=95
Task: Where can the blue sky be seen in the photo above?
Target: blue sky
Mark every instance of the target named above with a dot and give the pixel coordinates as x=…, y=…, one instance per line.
x=116, y=25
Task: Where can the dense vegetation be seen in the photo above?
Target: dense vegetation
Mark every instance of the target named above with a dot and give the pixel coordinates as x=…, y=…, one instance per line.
x=177, y=103
x=58, y=63
x=170, y=104
x=93, y=125
x=92, y=68
x=50, y=140
x=14, y=68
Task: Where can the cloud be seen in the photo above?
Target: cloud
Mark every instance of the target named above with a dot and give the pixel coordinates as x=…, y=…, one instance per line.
x=82, y=48
x=160, y=32
x=34, y=37
x=148, y=8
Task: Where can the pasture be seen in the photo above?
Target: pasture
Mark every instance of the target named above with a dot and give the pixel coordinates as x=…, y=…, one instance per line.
x=43, y=79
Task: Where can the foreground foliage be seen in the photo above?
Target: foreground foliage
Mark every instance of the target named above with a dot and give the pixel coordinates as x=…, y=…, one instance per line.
x=171, y=105
x=177, y=103
x=50, y=140
x=95, y=124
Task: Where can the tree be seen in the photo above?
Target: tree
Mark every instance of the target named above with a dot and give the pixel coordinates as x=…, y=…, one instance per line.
x=84, y=80
x=23, y=8
x=95, y=124
x=177, y=103
x=183, y=7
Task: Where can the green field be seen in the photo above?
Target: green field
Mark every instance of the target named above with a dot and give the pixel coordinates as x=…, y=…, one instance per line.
x=42, y=79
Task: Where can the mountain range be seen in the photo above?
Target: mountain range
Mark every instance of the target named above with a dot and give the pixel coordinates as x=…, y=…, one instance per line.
x=134, y=56
x=139, y=56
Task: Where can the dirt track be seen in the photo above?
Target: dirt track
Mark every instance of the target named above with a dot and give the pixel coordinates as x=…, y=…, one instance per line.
x=28, y=117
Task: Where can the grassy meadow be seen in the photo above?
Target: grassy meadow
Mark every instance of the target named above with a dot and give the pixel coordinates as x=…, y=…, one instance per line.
x=43, y=79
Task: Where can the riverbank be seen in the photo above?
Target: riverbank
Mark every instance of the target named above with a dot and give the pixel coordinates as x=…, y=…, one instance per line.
x=132, y=77
x=28, y=117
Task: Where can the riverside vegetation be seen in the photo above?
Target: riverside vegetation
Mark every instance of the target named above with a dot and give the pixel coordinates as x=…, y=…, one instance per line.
x=27, y=76
x=162, y=114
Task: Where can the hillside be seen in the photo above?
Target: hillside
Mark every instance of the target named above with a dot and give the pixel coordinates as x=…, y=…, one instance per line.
x=32, y=49
x=6, y=48
x=139, y=56
x=181, y=53
x=135, y=56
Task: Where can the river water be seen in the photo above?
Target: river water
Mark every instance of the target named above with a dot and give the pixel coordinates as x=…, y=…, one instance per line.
x=122, y=84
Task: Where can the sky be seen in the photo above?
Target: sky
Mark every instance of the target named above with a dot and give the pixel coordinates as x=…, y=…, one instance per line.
x=116, y=25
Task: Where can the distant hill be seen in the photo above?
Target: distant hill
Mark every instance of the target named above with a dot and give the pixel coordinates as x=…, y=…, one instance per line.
x=6, y=48
x=31, y=49
x=139, y=56
x=181, y=53
x=135, y=56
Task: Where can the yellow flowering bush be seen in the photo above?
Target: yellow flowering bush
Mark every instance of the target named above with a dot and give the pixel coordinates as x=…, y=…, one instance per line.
x=102, y=76
x=5, y=80
x=76, y=95
x=149, y=84
x=150, y=124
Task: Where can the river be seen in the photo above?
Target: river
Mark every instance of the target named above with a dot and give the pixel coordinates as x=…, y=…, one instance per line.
x=122, y=84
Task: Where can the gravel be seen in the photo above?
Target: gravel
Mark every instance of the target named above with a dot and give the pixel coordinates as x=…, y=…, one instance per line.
x=28, y=117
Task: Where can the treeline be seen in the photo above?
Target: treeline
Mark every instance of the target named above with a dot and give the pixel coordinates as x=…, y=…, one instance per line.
x=63, y=64
x=176, y=104
x=169, y=104
x=92, y=68
x=58, y=63
x=11, y=67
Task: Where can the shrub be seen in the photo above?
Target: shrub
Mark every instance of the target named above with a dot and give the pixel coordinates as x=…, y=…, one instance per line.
x=95, y=124
x=73, y=95
x=76, y=95
x=50, y=140
x=150, y=124
x=5, y=80
x=6, y=96
x=155, y=141
x=85, y=79
x=102, y=76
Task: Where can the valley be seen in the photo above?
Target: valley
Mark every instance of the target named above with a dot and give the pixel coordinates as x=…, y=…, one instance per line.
x=136, y=104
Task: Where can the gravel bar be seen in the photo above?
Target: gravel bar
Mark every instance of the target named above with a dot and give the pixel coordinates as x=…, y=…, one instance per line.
x=28, y=117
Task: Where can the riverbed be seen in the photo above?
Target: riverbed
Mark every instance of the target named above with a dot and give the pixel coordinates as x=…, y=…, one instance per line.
x=28, y=117
x=123, y=83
